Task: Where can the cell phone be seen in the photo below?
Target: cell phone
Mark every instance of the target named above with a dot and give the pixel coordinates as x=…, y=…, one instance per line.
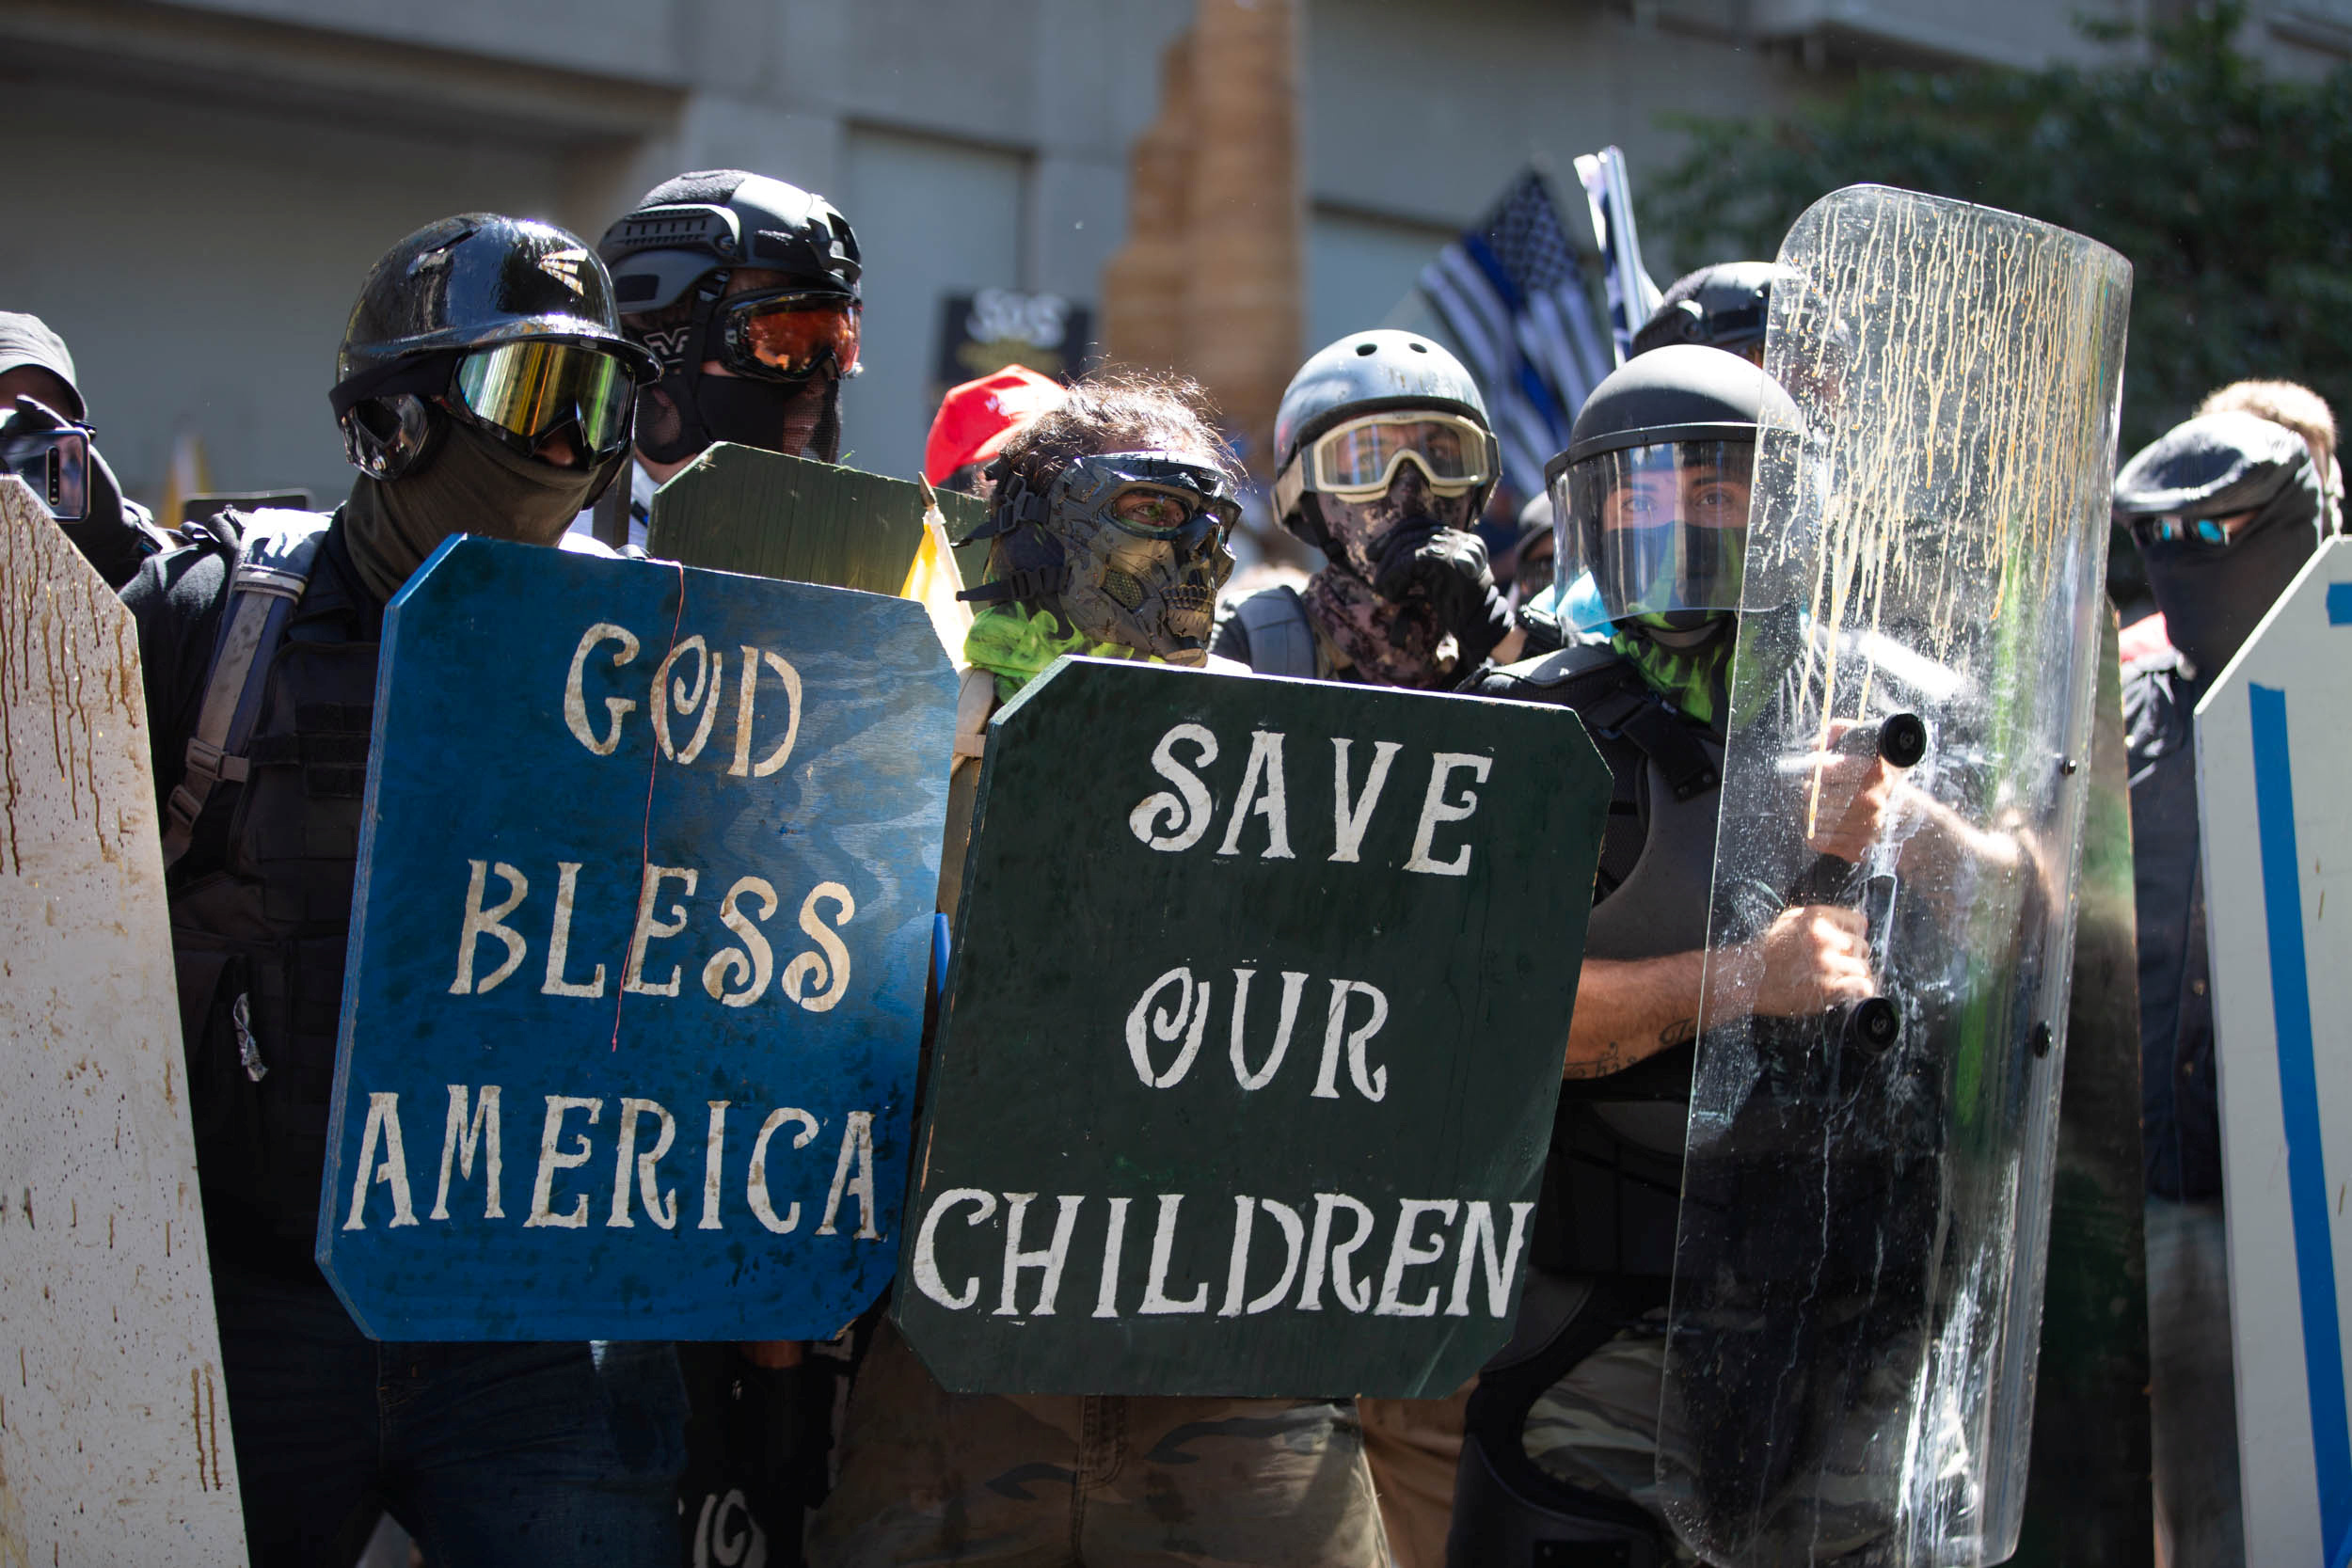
x=55, y=463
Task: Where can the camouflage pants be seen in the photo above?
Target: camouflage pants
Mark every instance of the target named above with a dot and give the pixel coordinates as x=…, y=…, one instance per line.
x=1598, y=1429
x=1415, y=1447
x=933, y=1477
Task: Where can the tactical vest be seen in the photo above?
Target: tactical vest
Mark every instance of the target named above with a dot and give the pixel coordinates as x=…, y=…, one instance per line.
x=1613, y=1189
x=268, y=820
x=1612, y=1197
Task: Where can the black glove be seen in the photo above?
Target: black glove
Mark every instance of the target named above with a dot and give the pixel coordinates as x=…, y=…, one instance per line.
x=1449, y=567
x=112, y=535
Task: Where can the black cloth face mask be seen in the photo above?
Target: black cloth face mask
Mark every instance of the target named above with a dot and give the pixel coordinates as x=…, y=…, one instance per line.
x=2213, y=596
x=686, y=411
x=468, y=485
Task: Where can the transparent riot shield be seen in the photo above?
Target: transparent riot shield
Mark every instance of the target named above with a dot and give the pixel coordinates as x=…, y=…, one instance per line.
x=1858, y=1274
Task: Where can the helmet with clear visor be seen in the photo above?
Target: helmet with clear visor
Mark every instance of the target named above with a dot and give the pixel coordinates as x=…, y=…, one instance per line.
x=1651, y=496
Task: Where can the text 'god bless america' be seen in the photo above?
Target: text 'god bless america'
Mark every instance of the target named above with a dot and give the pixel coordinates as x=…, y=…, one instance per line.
x=699, y=936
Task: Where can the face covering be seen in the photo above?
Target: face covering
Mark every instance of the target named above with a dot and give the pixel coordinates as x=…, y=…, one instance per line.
x=471, y=485
x=1124, y=546
x=684, y=413
x=1688, y=665
x=1371, y=535
x=1364, y=603
x=2213, y=596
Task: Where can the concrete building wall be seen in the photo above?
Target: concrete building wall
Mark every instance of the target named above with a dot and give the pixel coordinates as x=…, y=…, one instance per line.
x=210, y=178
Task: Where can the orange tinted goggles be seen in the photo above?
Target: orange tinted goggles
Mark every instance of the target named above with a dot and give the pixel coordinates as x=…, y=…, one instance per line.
x=788, y=336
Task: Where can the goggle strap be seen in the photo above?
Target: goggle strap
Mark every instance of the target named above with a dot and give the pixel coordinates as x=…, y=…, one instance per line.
x=1029, y=583
x=426, y=375
x=1289, y=486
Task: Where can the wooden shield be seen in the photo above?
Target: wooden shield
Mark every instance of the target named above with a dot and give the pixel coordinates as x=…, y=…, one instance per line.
x=1253, y=1034
x=638, y=954
x=113, y=1430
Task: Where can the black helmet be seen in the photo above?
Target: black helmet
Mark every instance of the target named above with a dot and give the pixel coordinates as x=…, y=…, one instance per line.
x=470, y=283
x=1679, y=414
x=683, y=247
x=721, y=220
x=2225, y=509
x=1724, y=305
x=2215, y=465
x=1364, y=373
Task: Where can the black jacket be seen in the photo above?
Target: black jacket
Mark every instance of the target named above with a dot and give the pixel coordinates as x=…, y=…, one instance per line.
x=2179, y=1107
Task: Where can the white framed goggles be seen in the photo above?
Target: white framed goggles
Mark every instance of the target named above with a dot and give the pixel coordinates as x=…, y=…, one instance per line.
x=1359, y=459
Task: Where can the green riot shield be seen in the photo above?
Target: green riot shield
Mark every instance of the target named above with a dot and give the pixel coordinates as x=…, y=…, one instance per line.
x=1858, y=1274
x=739, y=509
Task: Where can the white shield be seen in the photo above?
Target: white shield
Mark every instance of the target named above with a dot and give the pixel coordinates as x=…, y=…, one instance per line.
x=114, y=1417
x=2274, y=755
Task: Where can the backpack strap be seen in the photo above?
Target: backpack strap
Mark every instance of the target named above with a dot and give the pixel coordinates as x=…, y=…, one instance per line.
x=1281, y=640
x=272, y=566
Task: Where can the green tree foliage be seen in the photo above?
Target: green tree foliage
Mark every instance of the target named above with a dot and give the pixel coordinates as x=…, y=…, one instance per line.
x=2228, y=191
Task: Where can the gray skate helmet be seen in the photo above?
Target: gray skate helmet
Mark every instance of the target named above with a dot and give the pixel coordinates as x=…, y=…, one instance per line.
x=1651, y=495
x=1365, y=374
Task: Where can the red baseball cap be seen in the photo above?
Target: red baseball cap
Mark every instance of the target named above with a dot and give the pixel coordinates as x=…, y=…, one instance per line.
x=977, y=419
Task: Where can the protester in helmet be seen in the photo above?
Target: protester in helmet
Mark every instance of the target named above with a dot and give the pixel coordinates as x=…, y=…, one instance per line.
x=482, y=387
x=1722, y=306
x=1387, y=457
x=1651, y=500
x=2225, y=509
x=1105, y=539
x=39, y=400
x=746, y=290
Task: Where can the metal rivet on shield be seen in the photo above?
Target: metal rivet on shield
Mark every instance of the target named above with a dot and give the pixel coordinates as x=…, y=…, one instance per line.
x=2069, y=767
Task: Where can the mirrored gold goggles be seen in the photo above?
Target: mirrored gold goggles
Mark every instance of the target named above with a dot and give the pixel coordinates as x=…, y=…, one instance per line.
x=1359, y=459
x=527, y=390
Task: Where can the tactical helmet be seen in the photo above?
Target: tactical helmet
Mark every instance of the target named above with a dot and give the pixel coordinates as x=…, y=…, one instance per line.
x=1677, y=414
x=716, y=220
x=466, y=283
x=780, y=342
x=1724, y=305
x=1368, y=372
